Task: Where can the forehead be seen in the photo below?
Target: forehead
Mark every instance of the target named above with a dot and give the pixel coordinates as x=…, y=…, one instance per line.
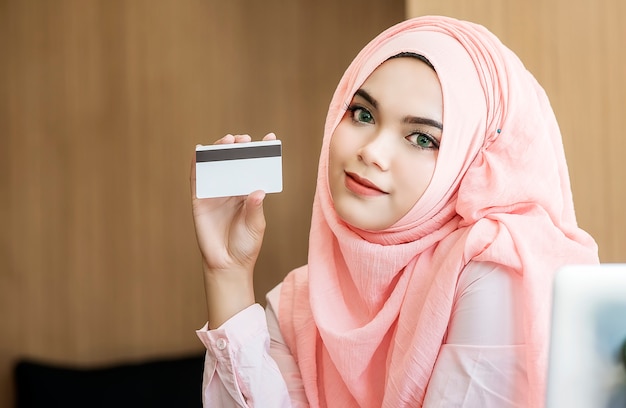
x=408, y=85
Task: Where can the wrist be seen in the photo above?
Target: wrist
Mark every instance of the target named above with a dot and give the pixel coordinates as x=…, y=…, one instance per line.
x=227, y=294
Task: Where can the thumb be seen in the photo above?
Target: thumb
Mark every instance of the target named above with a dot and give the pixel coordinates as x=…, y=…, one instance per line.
x=255, y=218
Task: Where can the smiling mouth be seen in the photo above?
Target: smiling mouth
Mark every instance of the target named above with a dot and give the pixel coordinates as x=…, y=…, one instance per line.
x=361, y=186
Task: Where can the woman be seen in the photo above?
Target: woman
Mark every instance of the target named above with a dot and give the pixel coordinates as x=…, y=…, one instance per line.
x=442, y=210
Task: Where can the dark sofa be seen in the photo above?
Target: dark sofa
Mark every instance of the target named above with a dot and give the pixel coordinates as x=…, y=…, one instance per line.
x=172, y=382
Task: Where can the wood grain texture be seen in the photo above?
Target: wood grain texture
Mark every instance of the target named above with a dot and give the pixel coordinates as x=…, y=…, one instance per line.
x=576, y=51
x=101, y=105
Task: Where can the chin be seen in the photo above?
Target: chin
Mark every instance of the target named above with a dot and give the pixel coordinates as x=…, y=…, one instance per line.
x=352, y=212
x=360, y=223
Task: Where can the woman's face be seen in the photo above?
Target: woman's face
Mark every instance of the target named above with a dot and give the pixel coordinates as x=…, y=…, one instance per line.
x=383, y=152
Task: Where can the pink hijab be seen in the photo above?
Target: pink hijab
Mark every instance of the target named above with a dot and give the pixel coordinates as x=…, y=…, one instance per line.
x=365, y=319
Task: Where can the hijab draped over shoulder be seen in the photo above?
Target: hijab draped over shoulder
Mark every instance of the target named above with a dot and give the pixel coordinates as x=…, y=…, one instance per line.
x=366, y=318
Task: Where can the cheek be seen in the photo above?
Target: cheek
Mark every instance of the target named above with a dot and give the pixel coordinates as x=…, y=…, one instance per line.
x=332, y=157
x=415, y=176
x=334, y=162
x=339, y=145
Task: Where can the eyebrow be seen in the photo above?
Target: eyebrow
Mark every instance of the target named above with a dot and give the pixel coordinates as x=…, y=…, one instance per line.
x=407, y=119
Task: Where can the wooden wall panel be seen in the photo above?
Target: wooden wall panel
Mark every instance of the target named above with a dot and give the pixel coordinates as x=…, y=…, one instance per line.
x=101, y=104
x=576, y=51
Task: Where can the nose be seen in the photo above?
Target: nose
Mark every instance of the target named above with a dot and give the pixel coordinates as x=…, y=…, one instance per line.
x=377, y=151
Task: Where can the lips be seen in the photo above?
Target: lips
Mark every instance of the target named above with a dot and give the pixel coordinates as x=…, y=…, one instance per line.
x=362, y=186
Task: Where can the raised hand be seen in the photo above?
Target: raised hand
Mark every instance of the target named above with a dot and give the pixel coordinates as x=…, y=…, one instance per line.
x=230, y=232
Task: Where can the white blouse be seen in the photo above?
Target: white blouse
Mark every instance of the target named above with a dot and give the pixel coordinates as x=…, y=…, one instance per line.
x=480, y=364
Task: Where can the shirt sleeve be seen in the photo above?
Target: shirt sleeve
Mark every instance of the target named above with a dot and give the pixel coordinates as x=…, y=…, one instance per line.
x=238, y=369
x=482, y=362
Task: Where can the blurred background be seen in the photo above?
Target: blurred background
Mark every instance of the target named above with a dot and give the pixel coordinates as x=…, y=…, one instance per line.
x=103, y=101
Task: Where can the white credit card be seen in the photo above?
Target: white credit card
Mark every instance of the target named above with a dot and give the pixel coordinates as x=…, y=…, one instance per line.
x=237, y=169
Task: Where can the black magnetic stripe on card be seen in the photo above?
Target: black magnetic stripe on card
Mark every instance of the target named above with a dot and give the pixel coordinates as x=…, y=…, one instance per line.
x=238, y=153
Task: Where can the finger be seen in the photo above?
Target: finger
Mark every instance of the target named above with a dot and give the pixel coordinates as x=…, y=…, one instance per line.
x=269, y=136
x=192, y=175
x=242, y=138
x=226, y=139
x=255, y=218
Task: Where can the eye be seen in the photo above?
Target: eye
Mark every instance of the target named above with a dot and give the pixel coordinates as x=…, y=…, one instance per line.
x=423, y=140
x=360, y=114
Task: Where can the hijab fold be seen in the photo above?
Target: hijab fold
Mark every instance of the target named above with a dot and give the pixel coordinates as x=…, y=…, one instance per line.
x=366, y=318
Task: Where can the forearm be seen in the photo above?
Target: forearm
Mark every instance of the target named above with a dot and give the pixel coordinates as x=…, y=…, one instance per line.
x=227, y=294
x=238, y=370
